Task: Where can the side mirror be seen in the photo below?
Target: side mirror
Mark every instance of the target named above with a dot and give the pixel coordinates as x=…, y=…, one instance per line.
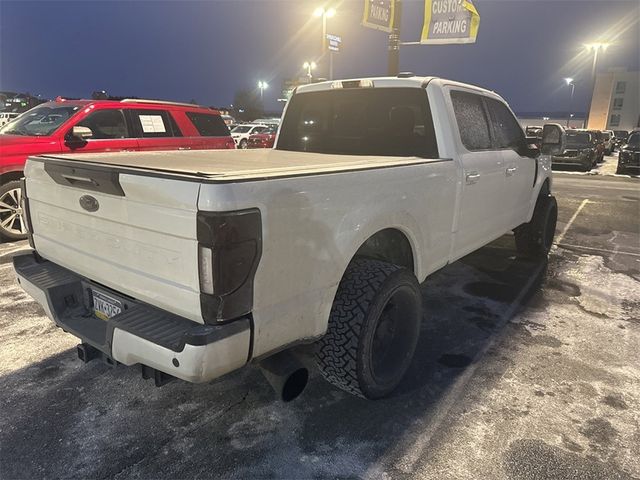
x=78, y=136
x=553, y=138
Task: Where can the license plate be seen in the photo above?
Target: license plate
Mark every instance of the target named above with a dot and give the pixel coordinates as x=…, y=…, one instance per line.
x=105, y=306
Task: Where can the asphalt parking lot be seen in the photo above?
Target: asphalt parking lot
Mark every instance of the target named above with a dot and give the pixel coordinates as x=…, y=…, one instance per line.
x=523, y=371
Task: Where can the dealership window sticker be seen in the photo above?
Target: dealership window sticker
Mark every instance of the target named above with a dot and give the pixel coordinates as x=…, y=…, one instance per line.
x=152, y=124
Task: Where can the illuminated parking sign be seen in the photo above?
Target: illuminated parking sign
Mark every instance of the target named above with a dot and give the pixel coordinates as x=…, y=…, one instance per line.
x=333, y=42
x=378, y=14
x=449, y=21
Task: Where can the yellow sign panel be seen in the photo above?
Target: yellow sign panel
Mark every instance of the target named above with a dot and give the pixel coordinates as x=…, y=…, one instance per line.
x=449, y=21
x=378, y=14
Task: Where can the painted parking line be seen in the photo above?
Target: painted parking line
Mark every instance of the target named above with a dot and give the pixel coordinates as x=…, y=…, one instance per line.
x=571, y=220
x=600, y=250
x=425, y=433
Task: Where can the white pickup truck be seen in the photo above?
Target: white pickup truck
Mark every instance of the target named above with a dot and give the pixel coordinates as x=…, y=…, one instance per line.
x=195, y=263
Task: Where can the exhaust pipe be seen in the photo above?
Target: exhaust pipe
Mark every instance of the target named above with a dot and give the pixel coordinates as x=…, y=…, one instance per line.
x=286, y=375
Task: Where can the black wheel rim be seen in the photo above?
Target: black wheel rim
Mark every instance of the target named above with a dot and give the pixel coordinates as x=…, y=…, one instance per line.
x=393, y=336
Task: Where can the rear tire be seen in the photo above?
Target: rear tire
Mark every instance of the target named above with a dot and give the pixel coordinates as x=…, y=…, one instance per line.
x=11, y=227
x=242, y=144
x=534, y=239
x=373, y=329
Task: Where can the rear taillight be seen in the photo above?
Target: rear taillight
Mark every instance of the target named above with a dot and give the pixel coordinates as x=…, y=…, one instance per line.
x=229, y=250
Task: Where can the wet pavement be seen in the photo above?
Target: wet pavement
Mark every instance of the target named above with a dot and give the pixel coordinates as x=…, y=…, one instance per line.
x=523, y=371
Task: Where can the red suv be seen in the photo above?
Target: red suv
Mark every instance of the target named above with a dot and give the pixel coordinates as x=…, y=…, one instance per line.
x=98, y=126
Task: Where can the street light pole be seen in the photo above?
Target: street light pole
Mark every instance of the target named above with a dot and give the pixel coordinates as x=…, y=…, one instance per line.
x=393, y=65
x=572, y=85
x=325, y=14
x=262, y=86
x=309, y=66
x=596, y=48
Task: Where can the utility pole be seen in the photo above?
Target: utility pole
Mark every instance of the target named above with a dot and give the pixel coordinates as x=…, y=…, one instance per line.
x=394, y=41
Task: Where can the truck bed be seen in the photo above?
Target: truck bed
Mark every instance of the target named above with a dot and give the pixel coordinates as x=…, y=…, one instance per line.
x=236, y=165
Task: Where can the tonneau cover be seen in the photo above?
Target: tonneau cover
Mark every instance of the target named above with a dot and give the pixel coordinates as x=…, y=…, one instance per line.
x=234, y=165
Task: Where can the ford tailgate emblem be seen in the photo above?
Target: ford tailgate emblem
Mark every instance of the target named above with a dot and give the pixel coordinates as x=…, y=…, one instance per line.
x=89, y=203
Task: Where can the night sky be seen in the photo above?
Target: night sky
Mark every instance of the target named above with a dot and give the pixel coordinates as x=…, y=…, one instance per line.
x=206, y=50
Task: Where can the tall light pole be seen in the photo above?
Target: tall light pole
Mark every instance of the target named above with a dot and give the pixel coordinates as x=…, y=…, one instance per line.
x=309, y=66
x=595, y=47
x=262, y=86
x=393, y=61
x=570, y=83
x=325, y=13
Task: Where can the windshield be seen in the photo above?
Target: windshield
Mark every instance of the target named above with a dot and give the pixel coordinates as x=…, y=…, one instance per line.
x=578, y=138
x=40, y=121
x=623, y=134
x=241, y=129
x=360, y=121
x=634, y=140
x=270, y=130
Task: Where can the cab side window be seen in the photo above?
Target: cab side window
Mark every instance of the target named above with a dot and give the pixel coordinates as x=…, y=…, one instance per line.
x=106, y=124
x=154, y=124
x=506, y=128
x=472, y=120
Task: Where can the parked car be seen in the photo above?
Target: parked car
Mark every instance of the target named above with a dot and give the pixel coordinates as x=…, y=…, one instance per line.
x=267, y=121
x=90, y=126
x=580, y=151
x=264, y=139
x=229, y=121
x=241, y=133
x=620, y=137
x=6, y=117
x=534, y=132
x=608, y=138
x=598, y=141
x=629, y=155
x=195, y=264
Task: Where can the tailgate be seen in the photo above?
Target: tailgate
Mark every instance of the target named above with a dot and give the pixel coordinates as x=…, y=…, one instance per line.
x=134, y=233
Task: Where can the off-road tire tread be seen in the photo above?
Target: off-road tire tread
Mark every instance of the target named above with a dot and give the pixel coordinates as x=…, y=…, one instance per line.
x=336, y=352
x=528, y=237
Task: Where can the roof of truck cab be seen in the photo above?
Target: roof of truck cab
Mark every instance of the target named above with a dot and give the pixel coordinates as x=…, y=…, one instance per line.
x=219, y=166
x=388, y=82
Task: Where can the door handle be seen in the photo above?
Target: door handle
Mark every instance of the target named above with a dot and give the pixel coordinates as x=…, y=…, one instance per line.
x=510, y=171
x=472, y=177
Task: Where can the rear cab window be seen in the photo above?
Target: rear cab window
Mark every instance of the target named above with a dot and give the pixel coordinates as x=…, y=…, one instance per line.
x=360, y=121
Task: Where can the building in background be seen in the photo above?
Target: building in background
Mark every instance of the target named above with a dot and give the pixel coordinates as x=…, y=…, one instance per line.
x=538, y=119
x=616, y=101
